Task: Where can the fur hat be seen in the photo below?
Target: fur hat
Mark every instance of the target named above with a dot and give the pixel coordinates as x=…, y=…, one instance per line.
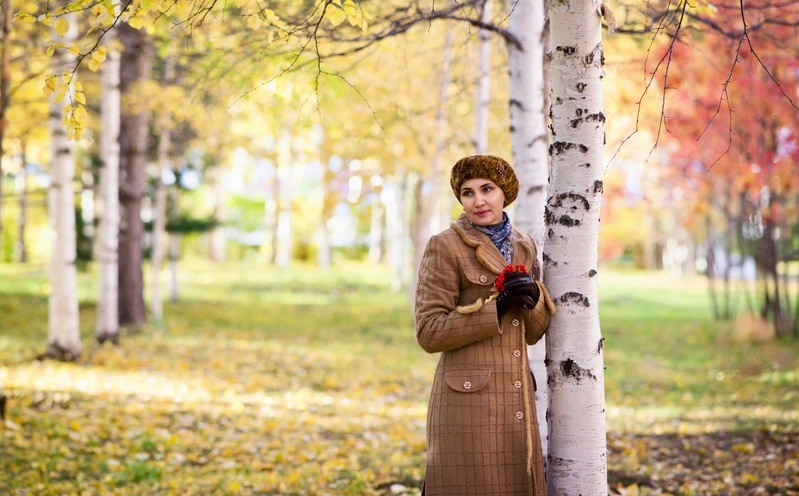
x=488, y=167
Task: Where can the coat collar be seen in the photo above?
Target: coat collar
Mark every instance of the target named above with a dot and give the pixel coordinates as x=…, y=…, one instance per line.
x=488, y=254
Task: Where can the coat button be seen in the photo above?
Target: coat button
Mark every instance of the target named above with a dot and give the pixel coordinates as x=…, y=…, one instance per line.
x=515, y=322
x=517, y=353
x=519, y=415
x=517, y=384
x=467, y=385
x=483, y=278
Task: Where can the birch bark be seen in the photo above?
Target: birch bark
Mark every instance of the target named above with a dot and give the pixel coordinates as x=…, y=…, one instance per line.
x=159, y=235
x=577, y=445
x=64, y=326
x=483, y=97
x=107, y=247
x=529, y=139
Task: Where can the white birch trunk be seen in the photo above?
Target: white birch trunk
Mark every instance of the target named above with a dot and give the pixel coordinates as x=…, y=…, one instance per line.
x=107, y=246
x=440, y=199
x=283, y=236
x=64, y=326
x=393, y=197
x=159, y=224
x=483, y=99
x=218, y=243
x=323, y=255
x=577, y=444
x=159, y=217
x=174, y=256
x=529, y=140
x=431, y=206
x=376, y=230
x=22, y=193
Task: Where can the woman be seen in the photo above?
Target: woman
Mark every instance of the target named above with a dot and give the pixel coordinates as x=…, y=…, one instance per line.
x=482, y=437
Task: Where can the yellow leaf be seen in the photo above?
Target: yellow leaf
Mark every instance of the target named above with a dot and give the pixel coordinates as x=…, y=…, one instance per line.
x=79, y=113
x=25, y=17
x=253, y=22
x=74, y=50
x=61, y=27
x=136, y=22
x=336, y=17
x=350, y=8
x=30, y=7
x=78, y=86
x=364, y=25
x=80, y=98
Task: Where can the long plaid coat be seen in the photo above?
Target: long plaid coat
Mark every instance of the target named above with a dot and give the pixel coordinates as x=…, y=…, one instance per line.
x=482, y=435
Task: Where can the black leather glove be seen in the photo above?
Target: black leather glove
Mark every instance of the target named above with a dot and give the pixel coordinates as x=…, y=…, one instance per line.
x=520, y=290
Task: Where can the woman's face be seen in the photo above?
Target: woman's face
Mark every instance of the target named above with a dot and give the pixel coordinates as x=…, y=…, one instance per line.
x=482, y=201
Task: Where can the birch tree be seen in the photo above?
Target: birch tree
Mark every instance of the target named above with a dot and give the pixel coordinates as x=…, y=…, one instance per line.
x=529, y=140
x=63, y=322
x=577, y=444
x=107, y=327
x=483, y=96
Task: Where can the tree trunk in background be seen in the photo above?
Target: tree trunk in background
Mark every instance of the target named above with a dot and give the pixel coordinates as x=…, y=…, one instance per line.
x=136, y=66
x=323, y=255
x=284, y=239
x=483, y=97
x=64, y=326
x=7, y=15
x=376, y=228
x=439, y=205
x=159, y=234
x=218, y=244
x=396, y=234
x=430, y=195
x=577, y=442
x=529, y=140
x=22, y=192
x=107, y=247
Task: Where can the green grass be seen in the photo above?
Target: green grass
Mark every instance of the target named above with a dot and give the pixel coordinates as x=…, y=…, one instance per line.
x=300, y=381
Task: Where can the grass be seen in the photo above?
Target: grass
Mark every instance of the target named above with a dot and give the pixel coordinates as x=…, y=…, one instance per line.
x=267, y=381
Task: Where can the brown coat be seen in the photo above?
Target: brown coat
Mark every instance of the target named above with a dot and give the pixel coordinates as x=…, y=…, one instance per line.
x=482, y=436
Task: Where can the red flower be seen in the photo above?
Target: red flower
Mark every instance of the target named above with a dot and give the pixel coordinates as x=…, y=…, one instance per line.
x=499, y=283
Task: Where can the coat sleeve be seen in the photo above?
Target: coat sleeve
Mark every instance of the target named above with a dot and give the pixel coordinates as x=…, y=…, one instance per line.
x=439, y=326
x=536, y=319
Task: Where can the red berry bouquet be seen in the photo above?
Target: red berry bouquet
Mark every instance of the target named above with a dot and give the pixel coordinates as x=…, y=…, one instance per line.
x=510, y=277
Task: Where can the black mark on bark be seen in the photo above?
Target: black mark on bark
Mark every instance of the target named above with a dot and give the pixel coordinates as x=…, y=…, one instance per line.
x=570, y=369
x=568, y=221
x=557, y=201
x=575, y=298
x=567, y=50
x=580, y=87
x=600, y=346
x=589, y=59
x=591, y=273
x=561, y=147
x=515, y=103
x=598, y=117
x=598, y=188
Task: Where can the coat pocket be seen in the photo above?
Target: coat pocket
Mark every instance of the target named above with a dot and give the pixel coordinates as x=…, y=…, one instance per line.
x=467, y=380
x=479, y=276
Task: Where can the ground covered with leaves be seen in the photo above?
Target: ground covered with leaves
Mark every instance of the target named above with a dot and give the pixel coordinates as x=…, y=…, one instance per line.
x=306, y=383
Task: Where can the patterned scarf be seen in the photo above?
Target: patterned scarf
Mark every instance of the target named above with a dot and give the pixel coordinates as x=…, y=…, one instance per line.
x=500, y=236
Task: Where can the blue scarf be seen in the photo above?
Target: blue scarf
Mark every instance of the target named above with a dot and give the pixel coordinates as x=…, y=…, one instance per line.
x=500, y=236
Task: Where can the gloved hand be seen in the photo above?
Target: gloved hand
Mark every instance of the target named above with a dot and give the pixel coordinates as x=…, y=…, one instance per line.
x=520, y=290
